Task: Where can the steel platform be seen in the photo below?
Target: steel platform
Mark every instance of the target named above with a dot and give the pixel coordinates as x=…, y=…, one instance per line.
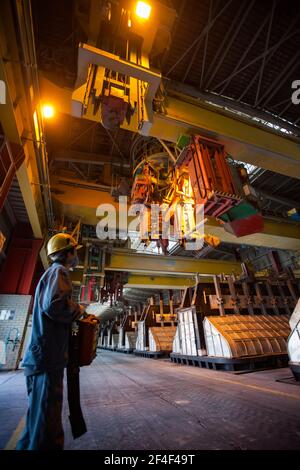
x=125, y=350
x=150, y=354
x=107, y=348
x=236, y=364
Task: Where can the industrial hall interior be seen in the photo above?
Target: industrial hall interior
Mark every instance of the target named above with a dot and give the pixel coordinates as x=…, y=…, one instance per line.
x=149, y=225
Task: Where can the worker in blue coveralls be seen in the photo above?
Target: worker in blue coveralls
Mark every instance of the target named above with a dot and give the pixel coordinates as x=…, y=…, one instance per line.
x=47, y=353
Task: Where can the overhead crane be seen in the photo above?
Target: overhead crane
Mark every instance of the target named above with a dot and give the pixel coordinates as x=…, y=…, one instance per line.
x=136, y=263
x=244, y=140
x=177, y=114
x=174, y=113
x=123, y=91
x=83, y=204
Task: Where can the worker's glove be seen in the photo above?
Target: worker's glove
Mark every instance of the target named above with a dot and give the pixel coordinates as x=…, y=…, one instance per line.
x=82, y=311
x=77, y=315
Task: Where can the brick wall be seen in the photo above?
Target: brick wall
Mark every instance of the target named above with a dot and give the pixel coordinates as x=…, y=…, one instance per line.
x=14, y=328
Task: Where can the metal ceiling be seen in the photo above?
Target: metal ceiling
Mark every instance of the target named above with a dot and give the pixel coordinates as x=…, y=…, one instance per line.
x=244, y=50
x=278, y=192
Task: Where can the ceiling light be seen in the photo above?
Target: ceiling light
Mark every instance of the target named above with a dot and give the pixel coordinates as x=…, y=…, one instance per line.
x=143, y=10
x=48, y=111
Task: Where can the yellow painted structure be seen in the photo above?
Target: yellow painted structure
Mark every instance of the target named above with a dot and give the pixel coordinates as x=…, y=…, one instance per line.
x=122, y=260
x=81, y=203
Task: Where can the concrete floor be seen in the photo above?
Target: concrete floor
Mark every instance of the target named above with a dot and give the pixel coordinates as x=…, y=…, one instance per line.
x=135, y=403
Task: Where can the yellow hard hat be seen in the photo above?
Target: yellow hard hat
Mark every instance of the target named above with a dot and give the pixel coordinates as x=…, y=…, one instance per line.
x=61, y=241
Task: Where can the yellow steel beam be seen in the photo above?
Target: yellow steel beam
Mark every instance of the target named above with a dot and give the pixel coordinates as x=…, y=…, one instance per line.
x=123, y=260
x=244, y=141
x=161, y=282
x=140, y=281
x=76, y=203
x=278, y=235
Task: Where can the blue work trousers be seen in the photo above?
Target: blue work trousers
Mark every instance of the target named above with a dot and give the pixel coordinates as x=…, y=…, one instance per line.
x=43, y=428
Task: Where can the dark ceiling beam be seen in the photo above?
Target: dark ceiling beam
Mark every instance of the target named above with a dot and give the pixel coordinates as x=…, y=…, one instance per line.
x=93, y=140
x=289, y=203
x=81, y=134
x=245, y=111
x=285, y=182
x=115, y=143
x=77, y=183
x=205, y=45
x=286, y=72
x=295, y=186
x=227, y=42
x=274, y=49
x=281, y=102
x=290, y=32
x=197, y=40
x=210, y=23
x=78, y=171
x=246, y=52
x=290, y=103
x=64, y=155
x=261, y=72
x=174, y=31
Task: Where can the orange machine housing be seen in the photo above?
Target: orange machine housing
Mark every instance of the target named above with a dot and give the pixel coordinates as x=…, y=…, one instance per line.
x=87, y=339
x=212, y=183
x=210, y=177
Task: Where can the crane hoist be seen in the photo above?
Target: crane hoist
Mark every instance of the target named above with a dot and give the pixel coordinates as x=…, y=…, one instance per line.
x=118, y=86
x=200, y=176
